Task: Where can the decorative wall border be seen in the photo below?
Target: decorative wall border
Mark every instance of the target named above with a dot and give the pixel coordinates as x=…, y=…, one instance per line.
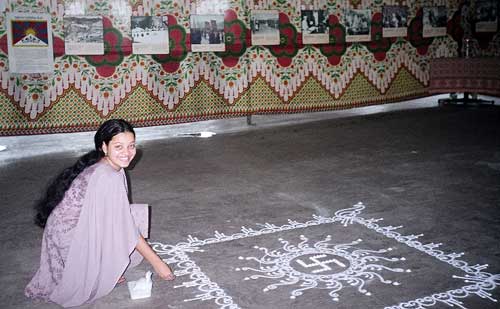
x=478, y=281
x=231, y=73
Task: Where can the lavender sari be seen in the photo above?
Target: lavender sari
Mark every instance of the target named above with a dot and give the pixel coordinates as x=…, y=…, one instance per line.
x=89, y=240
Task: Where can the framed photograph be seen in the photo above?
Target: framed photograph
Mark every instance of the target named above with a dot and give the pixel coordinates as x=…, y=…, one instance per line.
x=487, y=15
x=207, y=33
x=29, y=43
x=83, y=35
x=434, y=20
x=314, y=24
x=358, y=25
x=265, y=27
x=149, y=34
x=394, y=21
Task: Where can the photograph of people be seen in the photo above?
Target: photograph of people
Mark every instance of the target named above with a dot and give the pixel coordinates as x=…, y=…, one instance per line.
x=207, y=33
x=265, y=27
x=314, y=26
x=434, y=21
x=358, y=24
x=394, y=20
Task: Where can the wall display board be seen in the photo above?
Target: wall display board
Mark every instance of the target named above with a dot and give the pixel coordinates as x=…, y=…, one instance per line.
x=247, y=69
x=395, y=20
x=434, y=20
x=29, y=41
x=358, y=25
x=486, y=15
x=149, y=34
x=265, y=27
x=314, y=25
x=83, y=35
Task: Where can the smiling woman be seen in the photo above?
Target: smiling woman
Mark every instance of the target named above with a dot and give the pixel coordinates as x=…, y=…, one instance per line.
x=90, y=236
x=120, y=151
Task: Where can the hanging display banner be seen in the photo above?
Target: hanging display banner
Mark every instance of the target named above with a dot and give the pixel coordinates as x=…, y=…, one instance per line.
x=29, y=43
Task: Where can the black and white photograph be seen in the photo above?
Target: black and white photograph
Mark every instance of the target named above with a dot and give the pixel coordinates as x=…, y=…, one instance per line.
x=149, y=34
x=207, y=33
x=486, y=15
x=434, y=20
x=83, y=35
x=358, y=24
x=314, y=24
x=265, y=27
x=394, y=20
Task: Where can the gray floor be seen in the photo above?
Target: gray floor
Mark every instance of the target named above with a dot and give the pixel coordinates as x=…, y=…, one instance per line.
x=432, y=174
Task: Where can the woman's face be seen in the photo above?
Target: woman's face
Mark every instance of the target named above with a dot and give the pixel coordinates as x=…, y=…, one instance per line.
x=120, y=150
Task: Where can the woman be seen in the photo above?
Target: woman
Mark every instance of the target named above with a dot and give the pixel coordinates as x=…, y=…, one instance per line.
x=90, y=237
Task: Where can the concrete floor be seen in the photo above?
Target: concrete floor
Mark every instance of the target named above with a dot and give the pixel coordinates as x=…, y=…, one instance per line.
x=432, y=174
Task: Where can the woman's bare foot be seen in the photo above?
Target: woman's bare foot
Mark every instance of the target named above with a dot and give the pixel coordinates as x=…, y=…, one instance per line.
x=164, y=271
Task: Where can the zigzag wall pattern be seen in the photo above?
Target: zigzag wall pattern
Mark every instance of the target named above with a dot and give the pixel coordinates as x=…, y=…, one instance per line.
x=197, y=86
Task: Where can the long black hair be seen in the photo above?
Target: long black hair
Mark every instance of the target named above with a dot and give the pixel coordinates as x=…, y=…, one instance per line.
x=58, y=187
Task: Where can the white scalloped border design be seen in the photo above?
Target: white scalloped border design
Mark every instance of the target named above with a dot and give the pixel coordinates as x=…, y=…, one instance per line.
x=478, y=282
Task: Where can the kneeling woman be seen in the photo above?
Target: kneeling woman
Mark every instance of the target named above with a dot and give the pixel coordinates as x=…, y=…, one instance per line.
x=90, y=236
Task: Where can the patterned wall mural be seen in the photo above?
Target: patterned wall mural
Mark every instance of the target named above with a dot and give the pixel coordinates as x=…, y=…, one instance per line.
x=245, y=79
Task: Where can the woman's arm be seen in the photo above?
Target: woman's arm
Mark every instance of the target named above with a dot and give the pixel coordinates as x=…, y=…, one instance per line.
x=160, y=267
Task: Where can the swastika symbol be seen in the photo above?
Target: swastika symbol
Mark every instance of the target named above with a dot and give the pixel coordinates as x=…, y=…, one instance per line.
x=321, y=265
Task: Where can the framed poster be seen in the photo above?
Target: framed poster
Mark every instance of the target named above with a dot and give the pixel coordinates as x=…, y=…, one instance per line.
x=83, y=35
x=394, y=21
x=358, y=25
x=207, y=33
x=149, y=34
x=486, y=15
x=434, y=20
x=29, y=43
x=265, y=27
x=314, y=24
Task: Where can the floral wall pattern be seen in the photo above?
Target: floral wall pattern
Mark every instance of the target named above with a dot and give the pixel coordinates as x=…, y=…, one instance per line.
x=185, y=86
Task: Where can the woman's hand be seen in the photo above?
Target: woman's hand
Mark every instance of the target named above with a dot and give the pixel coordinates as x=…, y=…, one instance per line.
x=160, y=267
x=164, y=271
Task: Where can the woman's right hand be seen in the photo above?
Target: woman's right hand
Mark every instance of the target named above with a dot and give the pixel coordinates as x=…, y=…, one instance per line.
x=160, y=267
x=164, y=271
